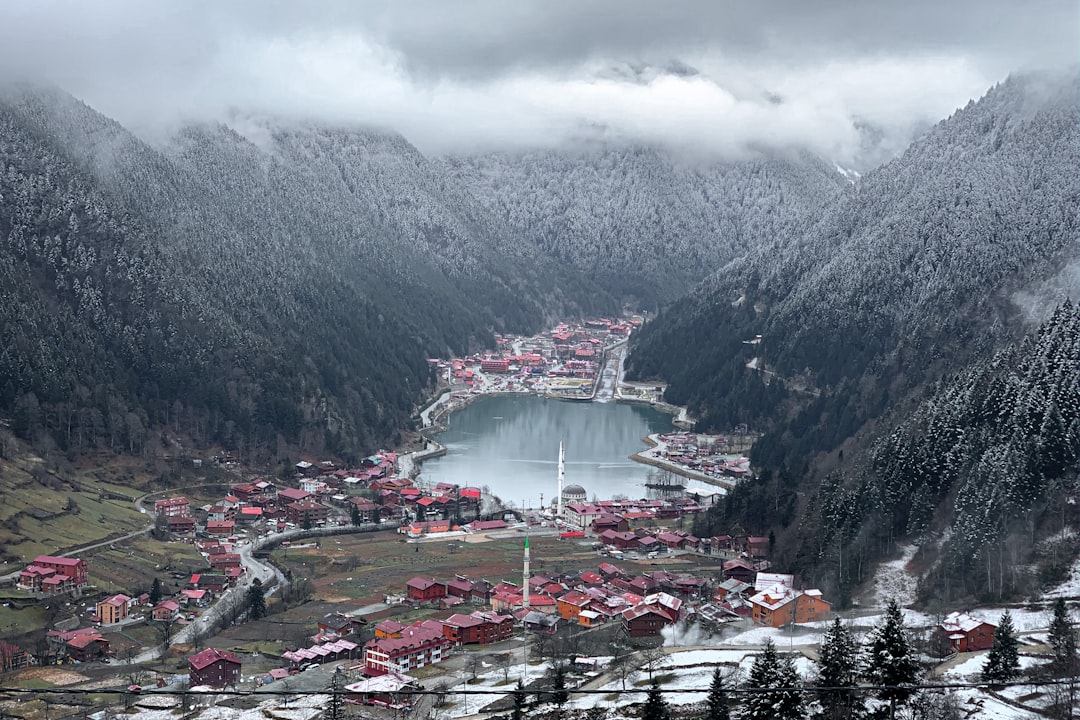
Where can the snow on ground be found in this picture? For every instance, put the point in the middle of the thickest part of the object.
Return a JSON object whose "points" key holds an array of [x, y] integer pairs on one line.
{"points": [[976, 703], [973, 666], [1023, 620], [1069, 588], [892, 581], [307, 707]]}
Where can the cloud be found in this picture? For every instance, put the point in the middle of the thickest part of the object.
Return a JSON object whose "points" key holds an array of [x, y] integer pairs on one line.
{"points": [[717, 76]]}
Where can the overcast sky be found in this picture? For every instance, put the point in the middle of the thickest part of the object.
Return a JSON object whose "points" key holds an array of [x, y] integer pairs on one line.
{"points": [[457, 76]]}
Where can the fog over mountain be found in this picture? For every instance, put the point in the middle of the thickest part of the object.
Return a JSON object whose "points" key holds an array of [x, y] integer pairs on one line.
{"points": [[852, 82]]}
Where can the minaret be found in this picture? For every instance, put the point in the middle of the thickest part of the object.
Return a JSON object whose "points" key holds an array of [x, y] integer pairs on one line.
{"points": [[562, 474], [525, 577]]}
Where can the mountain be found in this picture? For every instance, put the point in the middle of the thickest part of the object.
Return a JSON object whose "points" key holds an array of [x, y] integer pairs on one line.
{"points": [[914, 271], [644, 224], [833, 338], [258, 296]]}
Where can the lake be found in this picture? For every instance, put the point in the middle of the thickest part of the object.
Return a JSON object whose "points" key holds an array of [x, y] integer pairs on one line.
{"points": [[511, 445]]}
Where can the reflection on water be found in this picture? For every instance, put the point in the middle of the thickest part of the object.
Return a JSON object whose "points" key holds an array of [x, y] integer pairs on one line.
{"points": [[511, 444]]}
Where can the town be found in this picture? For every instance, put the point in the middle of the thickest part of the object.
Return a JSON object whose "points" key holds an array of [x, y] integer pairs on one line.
{"points": [[619, 589]]}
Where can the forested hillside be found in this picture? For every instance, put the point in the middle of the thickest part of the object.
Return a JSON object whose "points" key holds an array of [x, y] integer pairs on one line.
{"points": [[912, 273], [910, 281], [645, 225], [257, 297]]}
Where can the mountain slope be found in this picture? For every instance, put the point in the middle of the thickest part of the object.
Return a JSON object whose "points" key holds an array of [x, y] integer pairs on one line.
{"points": [[910, 274], [645, 225], [273, 297]]}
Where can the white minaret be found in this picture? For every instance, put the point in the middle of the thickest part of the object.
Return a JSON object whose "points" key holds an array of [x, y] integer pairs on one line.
{"points": [[525, 577], [562, 474]]}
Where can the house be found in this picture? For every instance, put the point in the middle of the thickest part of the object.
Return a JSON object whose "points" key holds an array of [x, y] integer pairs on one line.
{"points": [[485, 525], [619, 540], [84, 644], [113, 609], [72, 570], [609, 522], [539, 622], [740, 569], [460, 587], [389, 629], [192, 598], [643, 621], [417, 646], [306, 513], [391, 690], [610, 572], [213, 582], [337, 623], [291, 495], [221, 513], [570, 605], [166, 610], [580, 515], [213, 668], [779, 605], [424, 590], [181, 524], [962, 633], [249, 514], [12, 657], [732, 587], [366, 511], [224, 561], [220, 527], [88, 647], [172, 507], [671, 540]]}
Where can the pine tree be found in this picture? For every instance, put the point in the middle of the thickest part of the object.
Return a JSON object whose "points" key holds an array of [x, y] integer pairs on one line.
{"points": [[716, 707], [777, 682], [354, 514], [256, 601], [155, 591], [1062, 640], [559, 694], [520, 698], [655, 706], [838, 668], [1002, 662], [889, 660], [335, 708]]}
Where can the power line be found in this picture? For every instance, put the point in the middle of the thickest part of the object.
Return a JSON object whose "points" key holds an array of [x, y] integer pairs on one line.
{"points": [[811, 689]]}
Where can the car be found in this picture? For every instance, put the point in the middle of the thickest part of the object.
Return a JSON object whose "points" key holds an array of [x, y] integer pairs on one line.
{"points": [[106, 660]]}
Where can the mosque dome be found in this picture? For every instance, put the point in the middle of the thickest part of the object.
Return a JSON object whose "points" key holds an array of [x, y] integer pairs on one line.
{"points": [[573, 493]]}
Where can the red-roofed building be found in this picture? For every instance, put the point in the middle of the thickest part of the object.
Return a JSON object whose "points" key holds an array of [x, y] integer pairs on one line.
{"points": [[389, 629], [166, 610], [963, 633], [181, 524], [172, 507], [424, 590], [571, 604], [291, 495], [113, 609], [643, 621], [417, 646], [214, 668], [307, 512], [73, 569], [220, 527]]}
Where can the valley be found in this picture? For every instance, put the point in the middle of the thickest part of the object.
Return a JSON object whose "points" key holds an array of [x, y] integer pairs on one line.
{"points": [[302, 415]]}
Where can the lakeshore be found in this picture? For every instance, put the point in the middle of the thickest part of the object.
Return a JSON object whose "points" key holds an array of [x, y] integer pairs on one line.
{"points": [[583, 363]]}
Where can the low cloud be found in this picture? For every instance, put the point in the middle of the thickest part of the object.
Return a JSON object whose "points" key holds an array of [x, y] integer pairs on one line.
{"points": [[716, 77]]}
